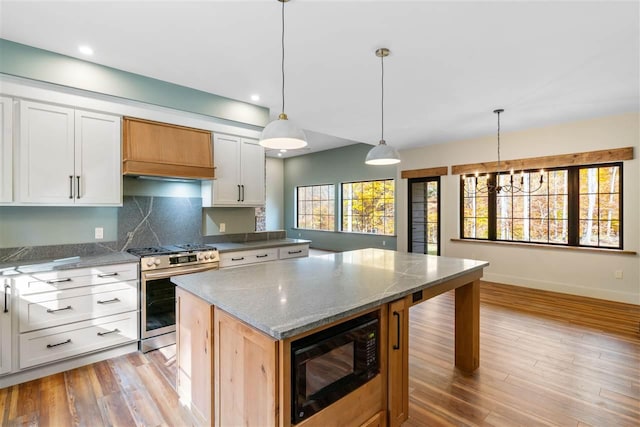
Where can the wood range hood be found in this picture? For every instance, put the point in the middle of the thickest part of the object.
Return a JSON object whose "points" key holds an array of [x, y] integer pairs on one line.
{"points": [[163, 150]]}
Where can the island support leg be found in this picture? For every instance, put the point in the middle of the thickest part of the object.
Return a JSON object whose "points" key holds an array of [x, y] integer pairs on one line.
{"points": [[467, 351]]}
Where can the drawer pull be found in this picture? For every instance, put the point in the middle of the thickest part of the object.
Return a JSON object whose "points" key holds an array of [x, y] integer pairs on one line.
{"points": [[52, 281], [115, 273], [6, 295], [59, 309], [109, 301], [101, 334], [60, 343], [237, 259], [262, 256], [295, 252]]}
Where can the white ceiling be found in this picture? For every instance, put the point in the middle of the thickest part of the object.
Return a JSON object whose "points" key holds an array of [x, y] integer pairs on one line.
{"points": [[451, 64]]}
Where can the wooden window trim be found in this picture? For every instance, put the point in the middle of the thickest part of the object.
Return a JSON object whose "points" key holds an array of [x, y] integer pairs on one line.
{"points": [[612, 251], [424, 173], [547, 162]]}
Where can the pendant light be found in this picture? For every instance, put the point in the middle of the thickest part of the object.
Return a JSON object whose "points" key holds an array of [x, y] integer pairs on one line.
{"points": [[382, 154], [281, 134]]}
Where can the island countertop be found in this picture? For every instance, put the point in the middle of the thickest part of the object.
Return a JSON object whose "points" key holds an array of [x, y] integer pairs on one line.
{"points": [[288, 297]]}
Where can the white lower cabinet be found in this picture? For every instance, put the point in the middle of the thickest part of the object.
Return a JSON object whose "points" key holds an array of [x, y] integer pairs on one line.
{"points": [[68, 313], [6, 313], [294, 251], [229, 259], [61, 342]]}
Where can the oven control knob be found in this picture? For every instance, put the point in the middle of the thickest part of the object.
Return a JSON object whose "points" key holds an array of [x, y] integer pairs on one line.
{"points": [[207, 256], [211, 257], [157, 262], [200, 256], [150, 262]]}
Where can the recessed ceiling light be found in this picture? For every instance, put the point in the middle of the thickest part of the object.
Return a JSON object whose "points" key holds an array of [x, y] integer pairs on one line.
{"points": [[255, 97], [283, 150], [279, 154], [85, 50]]}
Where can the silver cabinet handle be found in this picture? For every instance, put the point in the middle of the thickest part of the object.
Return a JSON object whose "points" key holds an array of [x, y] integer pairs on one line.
{"points": [[115, 273], [6, 292], [294, 252], [52, 281], [109, 301], [237, 259], [101, 334], [78, 189], [58, 309], [71, 186], [60, 343]]}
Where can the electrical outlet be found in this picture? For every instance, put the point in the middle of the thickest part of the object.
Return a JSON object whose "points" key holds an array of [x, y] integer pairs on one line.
{"points": [[384, 243], [99, 233], [618, 274], [223, 227]]}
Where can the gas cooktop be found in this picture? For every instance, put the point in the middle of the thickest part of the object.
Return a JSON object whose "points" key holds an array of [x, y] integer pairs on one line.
{"points": [[170, 249]]}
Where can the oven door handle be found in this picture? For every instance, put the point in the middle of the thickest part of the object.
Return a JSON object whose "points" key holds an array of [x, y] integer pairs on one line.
{"points": [[176, 271]]}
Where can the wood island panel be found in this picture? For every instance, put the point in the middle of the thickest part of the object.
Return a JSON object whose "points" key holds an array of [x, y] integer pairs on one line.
{"points": [[245, 365]]}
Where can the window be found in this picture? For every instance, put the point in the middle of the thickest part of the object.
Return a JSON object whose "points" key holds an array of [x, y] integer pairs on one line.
{"points": [[368, 207], [316, 207], [575, 206]]}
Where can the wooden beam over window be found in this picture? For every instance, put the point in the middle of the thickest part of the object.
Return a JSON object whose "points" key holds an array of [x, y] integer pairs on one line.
{"points": [[546, 162], [424, 173]]}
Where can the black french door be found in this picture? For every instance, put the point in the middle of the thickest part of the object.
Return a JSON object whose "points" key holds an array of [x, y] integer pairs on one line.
{"points": [[424, 215]]}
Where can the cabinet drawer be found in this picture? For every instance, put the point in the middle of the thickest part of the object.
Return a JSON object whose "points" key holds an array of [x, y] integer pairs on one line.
{"points": [[229, 259], [48, 345], [294, 251], [47, 309], [66, 279]]}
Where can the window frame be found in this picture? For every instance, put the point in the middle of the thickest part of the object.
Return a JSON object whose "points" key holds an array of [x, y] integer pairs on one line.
{"points": [[342, 199], [573, 216], [332, 209]]}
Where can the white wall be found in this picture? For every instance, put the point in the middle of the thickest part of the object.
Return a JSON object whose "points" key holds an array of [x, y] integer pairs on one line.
{"points": [[564, 270], [274, 209]]}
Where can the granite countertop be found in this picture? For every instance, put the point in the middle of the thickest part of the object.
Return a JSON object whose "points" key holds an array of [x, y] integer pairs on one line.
{"points": [[288, 297], [29, 267], [258, 244]]}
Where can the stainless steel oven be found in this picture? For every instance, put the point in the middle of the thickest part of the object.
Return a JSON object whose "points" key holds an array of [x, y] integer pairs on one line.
{"points": [[157, 292]]}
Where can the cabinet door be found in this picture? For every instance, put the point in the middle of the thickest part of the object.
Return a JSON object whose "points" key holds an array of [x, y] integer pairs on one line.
{"points": [[5, 326], [226, 186], [252, 168], [398, 348], [98, 179], [46, 151], [6, 150], [194, 355]]}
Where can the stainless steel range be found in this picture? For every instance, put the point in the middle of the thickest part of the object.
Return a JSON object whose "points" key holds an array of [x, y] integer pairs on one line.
{"points": [[157, 292]]}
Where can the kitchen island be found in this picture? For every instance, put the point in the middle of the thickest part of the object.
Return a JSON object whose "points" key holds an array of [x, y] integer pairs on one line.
{"points": [[236, 326]]}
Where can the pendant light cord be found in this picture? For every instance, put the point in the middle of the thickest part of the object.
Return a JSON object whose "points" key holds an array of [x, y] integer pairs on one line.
{"points": [[282, 58], [498, 171], [382, 99]]}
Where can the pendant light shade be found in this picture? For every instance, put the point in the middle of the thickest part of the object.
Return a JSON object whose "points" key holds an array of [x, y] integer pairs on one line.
{"points": [[382, 154], [281, 134]]}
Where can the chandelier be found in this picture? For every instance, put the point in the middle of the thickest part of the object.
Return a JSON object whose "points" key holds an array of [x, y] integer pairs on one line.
{"points": [[504, 183]]}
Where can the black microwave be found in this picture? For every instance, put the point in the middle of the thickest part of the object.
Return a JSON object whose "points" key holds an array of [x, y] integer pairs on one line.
{"points": [[330, 364]]}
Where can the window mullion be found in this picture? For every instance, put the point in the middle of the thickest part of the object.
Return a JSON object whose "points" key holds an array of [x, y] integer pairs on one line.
{"points": [[492, 208], [574, 206]]}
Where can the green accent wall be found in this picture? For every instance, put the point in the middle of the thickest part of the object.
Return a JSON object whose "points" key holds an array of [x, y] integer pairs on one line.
{"points": [[335, 166], [37, 64]]}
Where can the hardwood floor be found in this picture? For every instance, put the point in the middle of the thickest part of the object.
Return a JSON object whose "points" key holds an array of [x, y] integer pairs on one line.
{"points": [[546, 360]]}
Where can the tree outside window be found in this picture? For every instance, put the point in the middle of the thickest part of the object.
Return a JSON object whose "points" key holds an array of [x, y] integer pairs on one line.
{"points": [[316, 207], [369, 207]]}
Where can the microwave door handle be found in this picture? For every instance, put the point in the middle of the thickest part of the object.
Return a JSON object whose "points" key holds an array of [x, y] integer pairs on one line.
{"points": [[396, 346]]}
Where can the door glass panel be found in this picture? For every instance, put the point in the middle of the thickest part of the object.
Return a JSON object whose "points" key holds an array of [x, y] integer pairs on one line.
{"points": [[424, 215]]}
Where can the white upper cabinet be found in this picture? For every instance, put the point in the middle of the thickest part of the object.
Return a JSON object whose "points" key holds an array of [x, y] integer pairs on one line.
{"points": [[239, 164], [6, 150], [68, 157]]}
